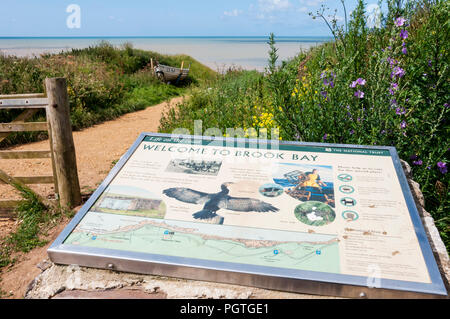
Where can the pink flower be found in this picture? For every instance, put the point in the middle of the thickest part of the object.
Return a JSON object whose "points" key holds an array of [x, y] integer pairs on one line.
{"points": [[359, 94], [361, 81], [399, 22]]}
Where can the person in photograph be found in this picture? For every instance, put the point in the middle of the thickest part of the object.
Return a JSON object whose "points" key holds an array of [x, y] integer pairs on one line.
{"points": [[313, 180]]}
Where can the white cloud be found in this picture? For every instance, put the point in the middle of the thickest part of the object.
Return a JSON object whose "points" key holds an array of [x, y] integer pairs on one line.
{"points": [[273, 5], [311, 3], [303, 9], [232, 13]]}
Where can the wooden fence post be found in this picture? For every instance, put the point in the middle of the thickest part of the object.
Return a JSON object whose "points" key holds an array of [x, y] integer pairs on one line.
{"points": [[58, 117]]}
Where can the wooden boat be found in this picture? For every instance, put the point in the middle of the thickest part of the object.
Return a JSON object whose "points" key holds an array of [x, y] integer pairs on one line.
{"points": [[170, 74]]}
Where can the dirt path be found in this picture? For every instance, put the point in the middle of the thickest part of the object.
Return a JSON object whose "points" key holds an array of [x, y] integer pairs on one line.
{"points": [[97, 149]]}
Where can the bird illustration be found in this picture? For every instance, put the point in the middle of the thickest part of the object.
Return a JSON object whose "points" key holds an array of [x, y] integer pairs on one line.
{"points": [[216, 201]]}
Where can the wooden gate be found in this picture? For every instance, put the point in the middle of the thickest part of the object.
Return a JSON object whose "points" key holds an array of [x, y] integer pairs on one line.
{"points": [[61, 147]]}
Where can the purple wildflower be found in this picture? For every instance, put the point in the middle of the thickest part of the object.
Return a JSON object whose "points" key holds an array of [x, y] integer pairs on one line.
{"points": [[393, 88], [383, 132], [324, 94], [428, 167], [328, 82], [418, 162], [398, 72], [414, 157], [442, 167], [429, 63], [403, 124], [359, 81], [399, 22], [392, 62], [352, 132], [359, 94], [446, 105], [404, 34], [394, 102], [325, 137], [400, 111], [404, 50]]}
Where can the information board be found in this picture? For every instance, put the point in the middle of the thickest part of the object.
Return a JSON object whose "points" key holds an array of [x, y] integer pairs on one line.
{"points": [[312, 218]]}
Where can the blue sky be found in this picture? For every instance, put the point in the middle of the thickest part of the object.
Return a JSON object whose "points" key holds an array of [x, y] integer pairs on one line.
{"points": [[167, 17]]}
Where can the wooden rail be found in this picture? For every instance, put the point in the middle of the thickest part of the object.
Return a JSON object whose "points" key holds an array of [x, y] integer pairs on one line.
{"points": [[33, 180], [22, 96], [23, 127], [62, 149], [32, 103], [24, 154]]}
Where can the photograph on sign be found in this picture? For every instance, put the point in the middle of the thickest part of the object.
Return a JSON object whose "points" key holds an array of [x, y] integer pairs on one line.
{"points": [[299, 211]]}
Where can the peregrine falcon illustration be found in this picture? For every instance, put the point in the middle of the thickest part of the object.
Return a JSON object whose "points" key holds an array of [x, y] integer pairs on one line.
{"points": [[215, 201]]}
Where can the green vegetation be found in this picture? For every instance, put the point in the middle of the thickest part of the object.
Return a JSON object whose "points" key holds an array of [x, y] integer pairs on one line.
{"points": [[371, 86], [34, 219], [104, 82]]}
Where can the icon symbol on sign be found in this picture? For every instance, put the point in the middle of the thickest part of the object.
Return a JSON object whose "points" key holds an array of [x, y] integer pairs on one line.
{"points": [[348, 201], [347, 189], [350, 215], [318, 252], [345, 177], [276, 252]]}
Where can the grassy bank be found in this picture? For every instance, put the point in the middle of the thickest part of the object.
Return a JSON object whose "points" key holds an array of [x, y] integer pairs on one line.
{"points": [[371, 86], [104, 82]]}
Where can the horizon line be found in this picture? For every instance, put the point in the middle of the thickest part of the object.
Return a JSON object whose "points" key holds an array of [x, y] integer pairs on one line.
{"points": [[164, 36]]}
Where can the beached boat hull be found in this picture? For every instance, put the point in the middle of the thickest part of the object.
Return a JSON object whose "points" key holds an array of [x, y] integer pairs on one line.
{"points": [[170, 74]]}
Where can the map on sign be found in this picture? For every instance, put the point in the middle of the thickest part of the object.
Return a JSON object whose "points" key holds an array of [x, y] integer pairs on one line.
{"points": [[309, 212]]}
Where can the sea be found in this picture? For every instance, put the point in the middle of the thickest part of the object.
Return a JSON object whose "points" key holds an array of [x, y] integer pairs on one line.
{"points": [[218, 53]]}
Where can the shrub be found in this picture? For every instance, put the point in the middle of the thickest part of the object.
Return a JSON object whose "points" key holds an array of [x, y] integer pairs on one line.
{"points": [[104, 82]]}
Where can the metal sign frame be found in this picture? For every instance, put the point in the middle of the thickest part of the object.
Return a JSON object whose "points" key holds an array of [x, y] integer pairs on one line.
{"points": [[299, 281]]}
